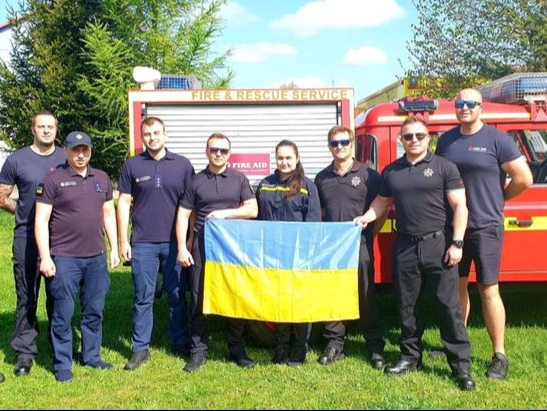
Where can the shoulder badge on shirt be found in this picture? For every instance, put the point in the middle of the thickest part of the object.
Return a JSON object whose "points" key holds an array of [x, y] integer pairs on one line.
{"points": [[143, 179], [40, 190], [355, 181], [68, 184], [428, 172]]}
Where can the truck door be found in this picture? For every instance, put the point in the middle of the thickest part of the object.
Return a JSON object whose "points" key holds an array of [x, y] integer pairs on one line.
{"points": [[524, 257]]}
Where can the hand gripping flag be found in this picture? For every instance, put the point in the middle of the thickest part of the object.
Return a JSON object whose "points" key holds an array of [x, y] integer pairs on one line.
{"points": [[280, 271]]}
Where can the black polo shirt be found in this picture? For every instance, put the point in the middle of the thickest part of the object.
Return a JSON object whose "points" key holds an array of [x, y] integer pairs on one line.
{"points": [[419, 192], [157, 188], [77, 220], [272, 205], [26, 169], [479, 157], [209, 192], [345, 197]]}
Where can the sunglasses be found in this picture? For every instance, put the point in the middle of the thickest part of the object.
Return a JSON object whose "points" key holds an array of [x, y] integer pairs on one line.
{"points": [[343, 143], [410, 136], [471, 104], [215, 150]]}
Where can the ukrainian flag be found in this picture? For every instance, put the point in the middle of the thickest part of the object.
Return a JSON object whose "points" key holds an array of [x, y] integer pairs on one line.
{"points": [[280, 271]]}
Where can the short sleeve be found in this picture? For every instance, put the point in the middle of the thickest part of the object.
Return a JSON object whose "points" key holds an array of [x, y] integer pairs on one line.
{"points": [[246, 190], [125, 183], [452, 178], [46, 191], [8, 175]]}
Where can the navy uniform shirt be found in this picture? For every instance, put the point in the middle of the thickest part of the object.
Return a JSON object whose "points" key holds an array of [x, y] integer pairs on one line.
{"points": [[479, 157], [209, 192], [157, 188], [271, 193], [345, 197], [76, 223], [26, 170], [419, 192]]}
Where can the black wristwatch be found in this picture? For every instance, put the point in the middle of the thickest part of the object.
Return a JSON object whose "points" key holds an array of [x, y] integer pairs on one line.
{"points": [[457, 243]]}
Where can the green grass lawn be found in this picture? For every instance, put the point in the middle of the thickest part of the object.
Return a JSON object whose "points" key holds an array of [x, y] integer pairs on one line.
{"points": [[348, 384]]}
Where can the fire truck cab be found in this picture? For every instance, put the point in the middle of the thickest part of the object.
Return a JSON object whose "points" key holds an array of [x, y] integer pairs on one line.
{"points": [[525, 118]]}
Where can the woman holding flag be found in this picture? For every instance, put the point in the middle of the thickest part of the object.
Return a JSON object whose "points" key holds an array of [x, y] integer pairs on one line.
{"points": [[288, 195]]}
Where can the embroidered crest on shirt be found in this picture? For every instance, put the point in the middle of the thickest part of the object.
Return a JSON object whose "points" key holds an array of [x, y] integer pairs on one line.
{"points": [[355, 181], [68, 184], [428, 172]]}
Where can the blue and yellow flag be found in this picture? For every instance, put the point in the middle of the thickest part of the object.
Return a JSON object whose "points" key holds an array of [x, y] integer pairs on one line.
{"points": [[281, 272]]}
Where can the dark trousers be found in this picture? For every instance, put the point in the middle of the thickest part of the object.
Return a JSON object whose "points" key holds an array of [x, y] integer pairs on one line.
{"points": [[283, 335], [26, 271], [92, 275], [145, 262], [198, 322], [419, 265], [335, 331]]}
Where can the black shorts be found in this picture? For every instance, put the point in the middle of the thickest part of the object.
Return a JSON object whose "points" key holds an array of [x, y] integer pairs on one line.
{"points": [[483, 246]]}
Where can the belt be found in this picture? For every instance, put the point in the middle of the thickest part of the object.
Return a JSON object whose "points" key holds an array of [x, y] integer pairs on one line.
{"points": [[421, 237]]}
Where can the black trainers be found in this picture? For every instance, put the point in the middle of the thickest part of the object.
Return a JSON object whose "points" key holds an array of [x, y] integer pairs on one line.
{"points": [[297, 357], [2, 378], [138, 359], [499, 367], [331, 355], [281, 355], [196, 361], [100, 365], [242, 361]]}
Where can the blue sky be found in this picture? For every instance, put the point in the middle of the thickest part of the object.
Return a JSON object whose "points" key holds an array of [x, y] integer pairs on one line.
{"points": [[314, 43]]}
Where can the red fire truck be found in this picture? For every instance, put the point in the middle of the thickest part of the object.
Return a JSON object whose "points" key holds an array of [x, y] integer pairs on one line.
{"points": [[525, 119]]}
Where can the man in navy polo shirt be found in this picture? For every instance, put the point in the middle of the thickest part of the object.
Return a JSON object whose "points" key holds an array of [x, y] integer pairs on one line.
{"points": [[156, 181], [427, 250], [485, 156], [26, 169], [346, 189], [73, 204], [216, 192]]}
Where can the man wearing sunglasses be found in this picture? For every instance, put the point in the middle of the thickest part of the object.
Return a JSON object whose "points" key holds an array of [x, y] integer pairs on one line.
{"points": [[346, 190], [154, 183], [484, 156], [216, 192], [424, 188]]}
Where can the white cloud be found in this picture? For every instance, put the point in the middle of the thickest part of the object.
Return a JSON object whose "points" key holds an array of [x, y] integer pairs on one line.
{"points": [[259, 52], [365, 56], [237, 14], [301, 82], [321, 15]]}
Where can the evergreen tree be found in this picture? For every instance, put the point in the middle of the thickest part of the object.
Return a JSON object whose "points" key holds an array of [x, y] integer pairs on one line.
{"points": [[75, 58]]}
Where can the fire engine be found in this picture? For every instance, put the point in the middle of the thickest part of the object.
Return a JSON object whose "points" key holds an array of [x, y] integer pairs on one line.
{"points": [[257, 119], [516, 105]]}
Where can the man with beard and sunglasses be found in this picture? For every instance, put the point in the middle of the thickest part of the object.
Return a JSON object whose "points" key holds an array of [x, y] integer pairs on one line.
{"points": [[425, 188], [346, 190], [484, 157], [26, 168], [218, 191]]}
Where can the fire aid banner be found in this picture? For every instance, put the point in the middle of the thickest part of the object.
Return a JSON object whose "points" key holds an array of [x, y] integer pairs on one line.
{"points": [[281, 271], [251, 164]]}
